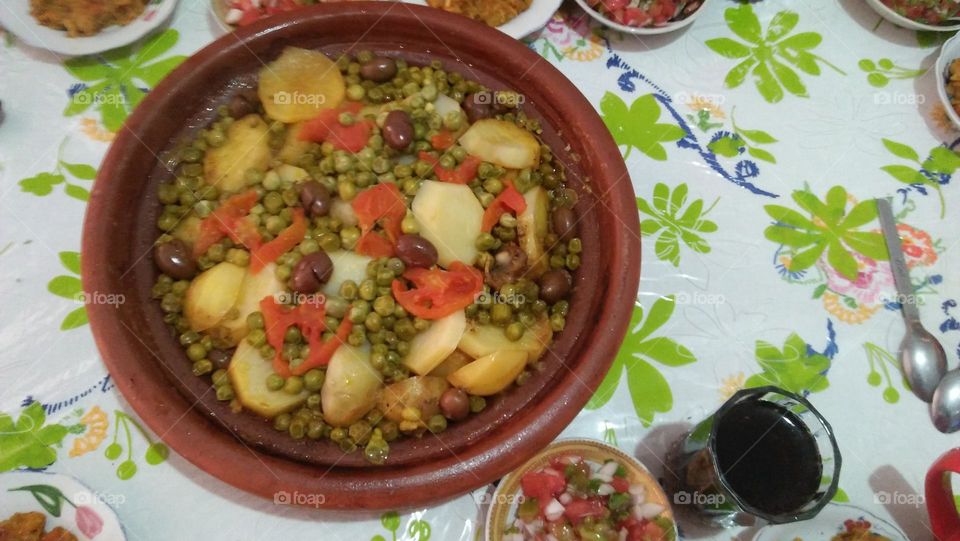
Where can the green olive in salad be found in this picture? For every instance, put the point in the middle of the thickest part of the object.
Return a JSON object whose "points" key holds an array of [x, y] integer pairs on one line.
{"points": [[362, 250]]}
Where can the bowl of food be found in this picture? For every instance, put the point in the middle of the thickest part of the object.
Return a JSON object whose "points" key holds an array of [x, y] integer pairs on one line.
{"points": [[79, 28], [932, 15], [644, 17], [379, 271], [580, 489], [947, 72]]}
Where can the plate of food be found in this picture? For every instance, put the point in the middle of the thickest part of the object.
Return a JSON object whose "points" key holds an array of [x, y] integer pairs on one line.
{"points": [[947, 72], [40, 506], [516, 18], [644, 17], [368, 269], [83, 27], [932, 15], [580, 489], [836, 522]]}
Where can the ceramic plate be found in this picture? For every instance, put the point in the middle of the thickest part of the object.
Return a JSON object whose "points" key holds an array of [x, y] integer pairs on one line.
{"points": [[504, 501], [948, 53], [15, 17], [528, 22], [643, 30], [904, 22], [65, 501], [827, 524]]}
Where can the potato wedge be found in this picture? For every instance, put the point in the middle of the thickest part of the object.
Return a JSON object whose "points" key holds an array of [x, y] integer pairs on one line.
{"points": [[502, 143], [449, 216], [253, 290], [421, 392], [490, 374], [247, 147], [533, 227], [299, 84], [352, 386], [481, 340], [429, 348], [455, 361], [212, 295], [248, 373], [346, 266]]}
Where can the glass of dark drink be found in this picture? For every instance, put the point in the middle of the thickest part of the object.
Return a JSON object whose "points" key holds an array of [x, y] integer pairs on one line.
{"points": [[766, 454]]}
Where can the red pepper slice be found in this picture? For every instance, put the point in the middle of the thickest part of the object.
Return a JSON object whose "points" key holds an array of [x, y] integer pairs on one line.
{"points": [[461, 174], [442, 140], [437, 292], [287, 240], [509, 200], [382, 204], [229, 220], [309, 318], [327, 127]]}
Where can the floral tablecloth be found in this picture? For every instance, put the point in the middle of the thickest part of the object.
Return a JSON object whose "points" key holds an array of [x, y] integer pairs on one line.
{"points": [[755, 140]]}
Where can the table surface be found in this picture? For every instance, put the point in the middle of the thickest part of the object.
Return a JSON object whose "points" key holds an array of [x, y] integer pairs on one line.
{"points": [[793, 111]]}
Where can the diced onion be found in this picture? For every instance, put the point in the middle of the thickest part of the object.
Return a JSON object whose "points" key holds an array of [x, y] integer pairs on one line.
{"points": [[605, 489], [554, 510], [647, 510], [566, 498], [233, 16]]}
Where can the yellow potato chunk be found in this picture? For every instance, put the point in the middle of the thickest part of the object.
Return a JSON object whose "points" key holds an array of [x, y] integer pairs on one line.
{"points": [[482, 340], [490, 374], [502, 143], [248, 373], [449, 216], [255, 288], [212, 295], [420, 392], [299, 84], [532, 226], [352, 386], [429, 348], [247, 147]]}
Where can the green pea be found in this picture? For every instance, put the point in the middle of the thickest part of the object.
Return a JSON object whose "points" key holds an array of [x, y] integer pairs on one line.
{"points": [[557, 322], [384, 278], [167, 222], [486, 199], [477, 404], [196, 351], [329, 242], [201, 367], [275, 382], [410, 89], [356, 337], [355, 92], [486, 170], [273, 202], [437, 424], [573, 261], [297, 429], [508, 220], [429, 92], [349, 236], [225, 393], [238, 257], [293, 385], [409, 225], [453, 120], [485, 241], [514, 331], [346, 119], [338, 434], [421, 324], [337, 307], [384, 305], [271, 181], [448, 162], [348, 290], [575, 246], [459, 153], [219, 377], [313, 380], [373, 322], [358, 312], [368, 290], [281, 423], [267, 351], [501, 313], [315, 429], [360, 432]]}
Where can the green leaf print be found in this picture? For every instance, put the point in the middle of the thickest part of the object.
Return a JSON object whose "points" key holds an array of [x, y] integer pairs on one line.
{"points": [[941, 161], [42, 184], [671, 223], [649, 391], [769, 57], [114, 80], [70, 288], [637, 127], [882, 364], [126, 426], [28, 442], [829, 229], [791, 368], [880, 73]]}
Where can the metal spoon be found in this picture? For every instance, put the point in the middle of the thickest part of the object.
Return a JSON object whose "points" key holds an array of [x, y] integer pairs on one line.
{"points": [[922, 358], [945, 408]]}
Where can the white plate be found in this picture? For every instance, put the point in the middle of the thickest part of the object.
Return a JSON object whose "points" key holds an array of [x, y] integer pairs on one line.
{"points": [[15, 17], [643, 30], [904, 22], [93, 504], [532, 19], [828, 524], [948, 53]]}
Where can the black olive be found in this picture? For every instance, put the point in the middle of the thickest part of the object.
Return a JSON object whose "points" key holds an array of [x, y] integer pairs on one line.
{"points": [[174, 259]]}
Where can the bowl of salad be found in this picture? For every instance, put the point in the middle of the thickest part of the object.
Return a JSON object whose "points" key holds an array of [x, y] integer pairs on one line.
{"points": [[576, 490], [366, 270], [932, 15], [644, 17]]}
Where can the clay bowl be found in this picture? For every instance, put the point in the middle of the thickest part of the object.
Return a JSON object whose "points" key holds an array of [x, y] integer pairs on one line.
{"points": [[153, 373]]}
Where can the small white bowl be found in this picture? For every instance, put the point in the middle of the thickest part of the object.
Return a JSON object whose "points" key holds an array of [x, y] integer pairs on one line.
{"points": [[948, 53], [15, 17], [643, 30], [904, 22]]}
